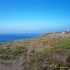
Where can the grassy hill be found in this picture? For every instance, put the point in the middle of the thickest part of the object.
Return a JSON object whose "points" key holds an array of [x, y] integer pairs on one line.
{"points": [[50, 51]]}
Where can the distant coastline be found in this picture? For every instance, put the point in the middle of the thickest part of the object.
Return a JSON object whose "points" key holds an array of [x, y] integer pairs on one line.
{"points": [[16, 37]]}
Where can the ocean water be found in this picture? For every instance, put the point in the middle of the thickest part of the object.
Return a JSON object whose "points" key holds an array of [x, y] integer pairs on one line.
{"points": [[13, 37]]}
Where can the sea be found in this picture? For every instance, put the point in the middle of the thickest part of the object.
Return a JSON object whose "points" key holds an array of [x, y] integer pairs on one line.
{"points": [[14, 37]]}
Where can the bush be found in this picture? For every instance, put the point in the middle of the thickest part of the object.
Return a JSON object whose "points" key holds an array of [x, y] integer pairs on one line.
{"points": [[11, 53]]}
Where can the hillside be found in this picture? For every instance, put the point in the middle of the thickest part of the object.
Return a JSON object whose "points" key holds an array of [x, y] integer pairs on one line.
{"points": [[49, 51]]}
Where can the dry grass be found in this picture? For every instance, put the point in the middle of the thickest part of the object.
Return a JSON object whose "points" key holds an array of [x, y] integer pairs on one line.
{"points": [[44, 52]]}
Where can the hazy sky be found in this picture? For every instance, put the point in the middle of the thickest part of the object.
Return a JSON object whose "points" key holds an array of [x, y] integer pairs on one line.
{"points": [[31, 16]]}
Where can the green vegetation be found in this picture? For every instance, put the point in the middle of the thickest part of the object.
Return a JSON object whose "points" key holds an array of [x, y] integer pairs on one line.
{"points": [[61, 45], [51, 56], [65, 44], [11, 53]]}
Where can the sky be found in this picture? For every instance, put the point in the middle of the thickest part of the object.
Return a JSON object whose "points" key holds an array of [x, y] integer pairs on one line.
{"points": [[34, 16]]}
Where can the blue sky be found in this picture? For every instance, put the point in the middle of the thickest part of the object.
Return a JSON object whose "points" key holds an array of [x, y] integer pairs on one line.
{"points": [[34, 16]]}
